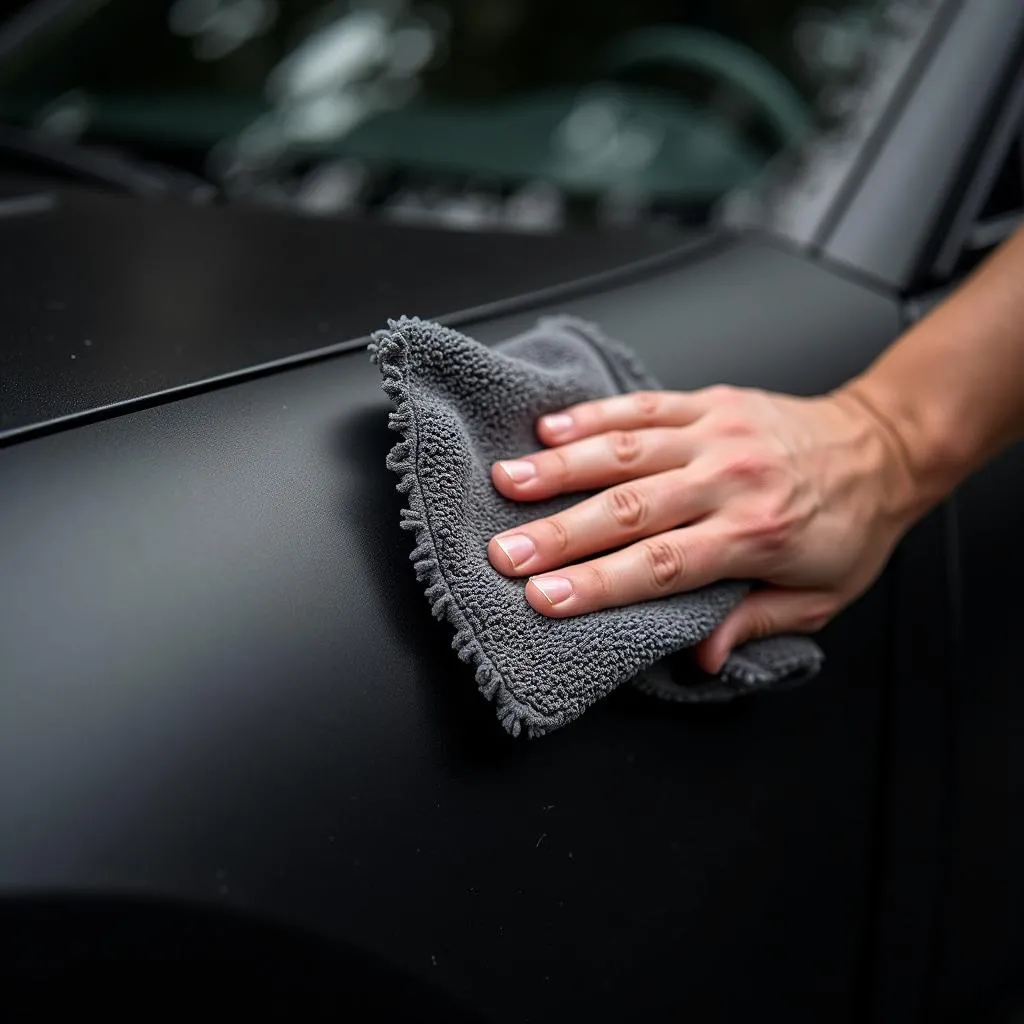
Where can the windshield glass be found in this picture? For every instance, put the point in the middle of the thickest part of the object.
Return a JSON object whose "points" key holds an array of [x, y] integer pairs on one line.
{"points": [[523, 113]]}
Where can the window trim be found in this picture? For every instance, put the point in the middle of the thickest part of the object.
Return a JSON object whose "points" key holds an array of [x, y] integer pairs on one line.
{"points": [[967, 233]]}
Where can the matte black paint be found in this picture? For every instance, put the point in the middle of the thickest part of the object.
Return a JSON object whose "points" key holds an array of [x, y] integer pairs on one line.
{"points": [[128, 953], [912, 828], [106, 300], [221, 683], [218, 681], [980, 944]]}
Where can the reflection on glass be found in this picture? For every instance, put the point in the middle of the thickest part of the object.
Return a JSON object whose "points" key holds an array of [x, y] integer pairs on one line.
{"points": [[520, 114]]}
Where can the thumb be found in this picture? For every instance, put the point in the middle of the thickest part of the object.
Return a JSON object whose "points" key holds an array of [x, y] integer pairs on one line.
{"points": [[764, 613]]}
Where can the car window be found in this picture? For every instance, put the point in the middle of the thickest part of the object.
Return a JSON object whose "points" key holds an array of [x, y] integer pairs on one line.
{"points": [[529, 114]]}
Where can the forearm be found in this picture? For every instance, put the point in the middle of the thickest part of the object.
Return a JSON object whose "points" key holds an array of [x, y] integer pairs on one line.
{"points": [[950, 392]]}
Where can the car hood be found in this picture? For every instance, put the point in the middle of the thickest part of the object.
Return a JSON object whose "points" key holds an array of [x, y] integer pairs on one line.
{"points": [[108, 300]]}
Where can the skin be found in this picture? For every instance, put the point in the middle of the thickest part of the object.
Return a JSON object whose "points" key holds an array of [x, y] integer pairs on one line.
{"points": [[809, 495]]}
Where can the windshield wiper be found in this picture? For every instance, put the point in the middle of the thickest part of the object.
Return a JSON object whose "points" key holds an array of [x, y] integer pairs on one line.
{"points": [[101, 167]]}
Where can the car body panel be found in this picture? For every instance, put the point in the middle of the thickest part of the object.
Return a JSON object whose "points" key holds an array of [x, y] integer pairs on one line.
{"points": [[222, 683], [981, 939], [108, 301]]}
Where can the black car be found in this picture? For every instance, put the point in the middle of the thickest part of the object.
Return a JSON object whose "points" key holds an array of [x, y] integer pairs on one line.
{"points": [[238, 759]]}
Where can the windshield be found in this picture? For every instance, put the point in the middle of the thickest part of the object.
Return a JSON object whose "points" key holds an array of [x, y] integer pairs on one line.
{"points": [[524, 113]]}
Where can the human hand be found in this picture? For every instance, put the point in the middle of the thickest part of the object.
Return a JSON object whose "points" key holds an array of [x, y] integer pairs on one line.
{"points": [[808, 495]]}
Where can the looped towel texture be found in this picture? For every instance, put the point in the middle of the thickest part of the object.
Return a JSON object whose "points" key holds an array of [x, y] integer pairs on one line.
{"points": [[459, 407]]}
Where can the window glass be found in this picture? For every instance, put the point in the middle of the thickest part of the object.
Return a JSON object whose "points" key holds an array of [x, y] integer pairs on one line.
{"points": [[526, 113]]}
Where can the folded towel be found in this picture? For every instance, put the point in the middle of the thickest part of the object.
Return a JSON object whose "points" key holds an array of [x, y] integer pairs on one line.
{"points": [[459, 407]]}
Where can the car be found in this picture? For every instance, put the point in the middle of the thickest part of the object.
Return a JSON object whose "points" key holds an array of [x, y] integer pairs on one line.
{"points": [[238, 759]]}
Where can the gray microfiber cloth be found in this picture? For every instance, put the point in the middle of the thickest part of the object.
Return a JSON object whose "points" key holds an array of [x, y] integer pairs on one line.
{"points": [[460, 406]]}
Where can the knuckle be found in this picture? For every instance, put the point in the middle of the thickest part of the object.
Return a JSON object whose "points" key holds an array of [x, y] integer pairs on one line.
{"points": [[723, 395], [554, 466], [750, 467], [597, 582], [665, 563], [557, 535], [760, 625], [769, 530], [625, 446], [647, 404], [735, 425], [627, 506]]}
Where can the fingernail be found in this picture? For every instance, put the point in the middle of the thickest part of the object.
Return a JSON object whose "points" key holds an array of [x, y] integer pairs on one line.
{"points": [[555, 588], [557, 422], [518, 548], [518, 470]]}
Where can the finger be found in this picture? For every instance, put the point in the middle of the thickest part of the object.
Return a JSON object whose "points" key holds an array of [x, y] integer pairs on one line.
{"points": [[669, 563], [594, 462], [764, 613], [612, 519], [622, 412]]}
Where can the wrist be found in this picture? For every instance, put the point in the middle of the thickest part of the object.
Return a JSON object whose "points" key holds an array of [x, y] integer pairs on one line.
{"points": [[920, 459]]}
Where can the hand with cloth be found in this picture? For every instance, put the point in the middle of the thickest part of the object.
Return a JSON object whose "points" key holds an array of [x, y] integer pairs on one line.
{"points": [[808, 495]]}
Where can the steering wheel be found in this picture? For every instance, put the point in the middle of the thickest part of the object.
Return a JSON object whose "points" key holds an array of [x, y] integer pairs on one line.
{"points": [[723, 60]]}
